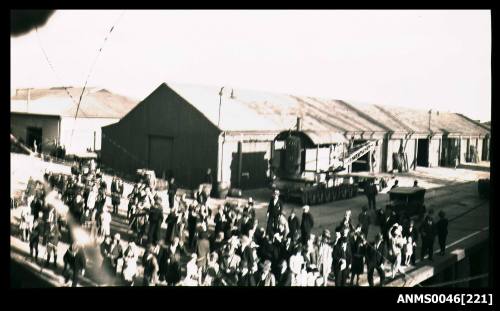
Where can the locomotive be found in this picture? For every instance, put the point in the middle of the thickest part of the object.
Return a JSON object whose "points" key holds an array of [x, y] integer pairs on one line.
{"points": [[312, 166]]}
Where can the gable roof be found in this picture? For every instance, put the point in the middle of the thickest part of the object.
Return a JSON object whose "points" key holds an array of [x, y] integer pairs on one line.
{"points": [[263, 111], [96, 103]]}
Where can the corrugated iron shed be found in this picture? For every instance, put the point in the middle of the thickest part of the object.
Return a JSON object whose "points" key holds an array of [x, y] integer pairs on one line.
{"points": [[96, 103]]}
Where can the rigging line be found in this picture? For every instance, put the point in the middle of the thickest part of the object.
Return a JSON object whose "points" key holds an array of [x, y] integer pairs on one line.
{"points": [[92, 69], [51, 66]]}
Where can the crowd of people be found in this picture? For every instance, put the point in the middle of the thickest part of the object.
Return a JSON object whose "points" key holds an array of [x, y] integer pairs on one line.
{"points": [[191, 242]]}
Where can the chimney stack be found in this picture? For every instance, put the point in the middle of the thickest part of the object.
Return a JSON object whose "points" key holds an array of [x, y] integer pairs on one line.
{"points": [[232, 93], [299, 124]]}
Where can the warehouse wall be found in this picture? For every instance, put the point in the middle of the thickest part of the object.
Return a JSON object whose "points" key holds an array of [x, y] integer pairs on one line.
{"points": [[83, 133], [256, 157], [393, 145], [434, 152], [49, 125], [163, 116]]}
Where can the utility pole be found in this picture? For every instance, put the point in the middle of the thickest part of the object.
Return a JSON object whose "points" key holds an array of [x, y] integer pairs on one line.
{"points": [[430, 115], [220, 104]]}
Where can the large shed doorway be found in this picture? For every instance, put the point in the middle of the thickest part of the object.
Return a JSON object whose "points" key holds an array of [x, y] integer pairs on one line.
{"points": [[34, 134], [249, 169], [423, 152], [160, 155]]}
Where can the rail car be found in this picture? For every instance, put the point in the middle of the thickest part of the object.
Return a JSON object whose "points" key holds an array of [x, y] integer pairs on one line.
{"points": [[312, 166]]}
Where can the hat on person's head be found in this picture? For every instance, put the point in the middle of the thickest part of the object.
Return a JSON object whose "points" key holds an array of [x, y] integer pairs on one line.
{"points": [[305, 207], [441, 214], [250, 200]]}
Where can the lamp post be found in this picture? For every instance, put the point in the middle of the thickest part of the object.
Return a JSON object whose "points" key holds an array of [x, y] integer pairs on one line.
{"points": [[220, 104]]}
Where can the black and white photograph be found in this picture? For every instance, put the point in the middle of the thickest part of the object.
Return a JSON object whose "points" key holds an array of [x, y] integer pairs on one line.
{"points": [[250, 148]]}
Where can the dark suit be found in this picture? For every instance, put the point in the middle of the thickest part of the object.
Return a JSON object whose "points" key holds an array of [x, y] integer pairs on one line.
{"points": [[428, 233], [338, 254], [170, 264], [155, 220], [246, 280], [293, 225], [306, 227], [374, 259], [442, 233], [371, 192], [76, 263], [274, 211], [285, 278]]}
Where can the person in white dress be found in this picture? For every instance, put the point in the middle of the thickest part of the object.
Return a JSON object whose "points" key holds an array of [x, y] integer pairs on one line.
{"points": [[26, 222], [296, 264], [325, 257], [130, 263], [395, 251], [192, 272], [105, 223]]}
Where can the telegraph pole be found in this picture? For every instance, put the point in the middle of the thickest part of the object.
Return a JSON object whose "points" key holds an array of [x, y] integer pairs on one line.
{"points": [[220, 104]]}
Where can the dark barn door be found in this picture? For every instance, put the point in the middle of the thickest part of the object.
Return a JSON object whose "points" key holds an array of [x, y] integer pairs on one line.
{"points": [[160, 155], [254, 168], [34, 134], [423, 152]]}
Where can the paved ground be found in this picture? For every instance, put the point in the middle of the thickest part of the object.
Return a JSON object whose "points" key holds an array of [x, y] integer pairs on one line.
{"points": [[451, 190]]}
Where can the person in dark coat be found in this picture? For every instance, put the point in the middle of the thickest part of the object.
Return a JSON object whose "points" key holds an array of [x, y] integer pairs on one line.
{"points": [[170, 262], [116, 194], [74, 264], [53, 236], [246, 252], [36, 206], [375, 253], [77, 209], [428, 234], [191, 226], [36, 233], [442, 231], [306, 225], [203, 251], [155, 221], [112, 251], [284, 277], [172, 191], [151, 267], [247, 224], [371, 192], [245, 277], [364, 221], [293, 224], [274, 209], [358, 257], [342, 259], [221, 221], [411, 231], [171, 226]]}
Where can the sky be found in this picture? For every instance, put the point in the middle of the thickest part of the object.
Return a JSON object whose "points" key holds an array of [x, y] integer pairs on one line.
{"points": [[438, 60]]}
